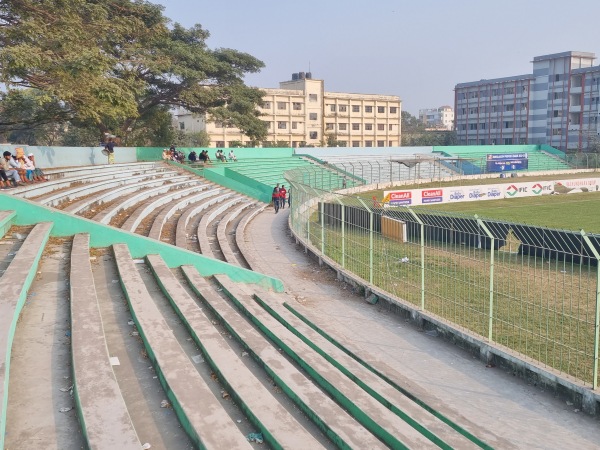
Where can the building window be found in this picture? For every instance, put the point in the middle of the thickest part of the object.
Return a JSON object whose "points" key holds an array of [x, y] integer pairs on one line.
{"points": [[509, 108], [355, 143], [509, 124], [507, 141], [266, 105], [473, 110], [390, 143], [390, 126], [182, 125], [342, 126], [380, 143], [557, 113], [472, 126], [343, 143], [509, 91], [556, 131], [368, 143], [368, 109], [482, 126], [393, 110], [355, 108], [381, 126], [282, 125], [523, 124], [281, 105], [332, 108], [473, 94], [381, 109], [557, 77], [463, 111], [297, 106], [329, 126], [356, 126], [522, 141], [494, 125], [312, 116], [558, 95], [294, 125], [368, 126], [220, 144], [342, 108], [313, 135], [462, 127], [495, 92], [312, 97]]}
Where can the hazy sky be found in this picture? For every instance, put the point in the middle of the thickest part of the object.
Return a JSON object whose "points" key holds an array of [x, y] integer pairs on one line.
{"points": [[418, 50]]}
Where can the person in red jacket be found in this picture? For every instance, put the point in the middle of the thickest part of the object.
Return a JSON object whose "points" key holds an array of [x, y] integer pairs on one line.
{"points": [[275, 198], [282, 196]]}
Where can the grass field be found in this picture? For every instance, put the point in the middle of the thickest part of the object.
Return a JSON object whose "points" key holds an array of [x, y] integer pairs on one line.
{"points": [[569, 211]]}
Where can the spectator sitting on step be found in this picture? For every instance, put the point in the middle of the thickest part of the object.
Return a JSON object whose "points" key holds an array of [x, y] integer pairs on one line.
{"points": [[232, 156], [9, 170], [165, 155], [17, 165], [36, 170], [192, 156]]}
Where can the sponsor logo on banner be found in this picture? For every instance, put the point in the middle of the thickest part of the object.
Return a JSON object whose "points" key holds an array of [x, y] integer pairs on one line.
{"points": [[476, 194], [456, 195], [512, 190], [400, 198], [537, 189], [494, 193], [432, 196]]}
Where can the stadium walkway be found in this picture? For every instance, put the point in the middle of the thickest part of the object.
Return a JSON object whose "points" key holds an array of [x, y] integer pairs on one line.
{"points": [[441, 374]]}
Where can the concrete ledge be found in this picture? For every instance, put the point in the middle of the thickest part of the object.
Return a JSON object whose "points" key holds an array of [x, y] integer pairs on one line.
{"points": [[280, 428], [100, 405], [488, 352], [373, 415], [6, 220], [180, 233], [14, 284], [222, 233], [199, 411], [334, 421], [240, 235], [203, 242]]}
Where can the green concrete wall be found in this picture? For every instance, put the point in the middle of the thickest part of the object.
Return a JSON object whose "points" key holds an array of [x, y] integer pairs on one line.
{"points": [[29, 213], [155, 153]]}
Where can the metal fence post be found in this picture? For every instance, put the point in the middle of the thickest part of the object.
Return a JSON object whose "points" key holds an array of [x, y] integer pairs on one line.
{"points": [[370, 240], [491, 307], [422, 244], [343, 232], [322, 226], [597, 315]]}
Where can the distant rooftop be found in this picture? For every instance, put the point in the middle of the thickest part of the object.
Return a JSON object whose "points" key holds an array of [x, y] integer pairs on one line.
{"points": [[564, 55], [483, 82]]}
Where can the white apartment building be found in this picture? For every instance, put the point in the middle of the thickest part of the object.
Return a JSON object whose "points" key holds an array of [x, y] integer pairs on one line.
{"points": [[556, 105], [300, 113], [441, 118]]}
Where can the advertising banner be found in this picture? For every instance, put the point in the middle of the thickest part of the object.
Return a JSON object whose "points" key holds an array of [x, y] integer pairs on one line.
{"points": [[515, 190], [503, 162], [578, 184]]}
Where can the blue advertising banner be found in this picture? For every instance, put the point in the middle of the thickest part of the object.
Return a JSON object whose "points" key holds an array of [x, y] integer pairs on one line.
{"points": [[502, 162]]}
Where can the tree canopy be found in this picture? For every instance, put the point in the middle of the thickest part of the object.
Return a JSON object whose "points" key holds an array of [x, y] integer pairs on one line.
{"points": [[113, 64]]}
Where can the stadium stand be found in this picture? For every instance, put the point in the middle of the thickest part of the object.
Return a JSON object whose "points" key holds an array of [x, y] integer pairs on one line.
{"points": [[170, 347]]}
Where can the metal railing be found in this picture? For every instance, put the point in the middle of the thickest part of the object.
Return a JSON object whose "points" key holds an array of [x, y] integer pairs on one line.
{"points": [[533, 290], [433, 168]]}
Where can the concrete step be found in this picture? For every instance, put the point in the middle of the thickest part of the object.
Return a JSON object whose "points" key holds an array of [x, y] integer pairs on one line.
{"points": [[210, 426]]}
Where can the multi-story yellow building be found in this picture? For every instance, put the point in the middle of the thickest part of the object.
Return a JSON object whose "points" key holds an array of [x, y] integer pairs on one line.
{"points": [[301, 113]]}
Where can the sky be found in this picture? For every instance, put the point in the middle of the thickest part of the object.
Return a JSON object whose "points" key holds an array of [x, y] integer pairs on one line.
{"points": [[417, 50]]}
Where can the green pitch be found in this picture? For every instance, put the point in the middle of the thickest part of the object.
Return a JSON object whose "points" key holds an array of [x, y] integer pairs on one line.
{"points": [[567, 211]]}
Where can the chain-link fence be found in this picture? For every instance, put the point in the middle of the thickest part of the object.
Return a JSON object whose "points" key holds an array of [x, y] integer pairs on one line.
{"points": [[533, 290], [428, 167]]}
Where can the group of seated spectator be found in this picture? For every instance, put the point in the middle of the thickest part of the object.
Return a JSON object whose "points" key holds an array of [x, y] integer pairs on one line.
{"points": [[172, 154], [220, 155], [18, 170]]}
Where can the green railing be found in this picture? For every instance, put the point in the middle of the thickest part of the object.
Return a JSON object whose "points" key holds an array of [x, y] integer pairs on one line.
{"points": [[532, 290]]}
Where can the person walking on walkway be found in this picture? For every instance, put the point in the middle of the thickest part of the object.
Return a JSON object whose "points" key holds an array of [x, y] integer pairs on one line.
{"points": [[282, 196], [275, 198]]}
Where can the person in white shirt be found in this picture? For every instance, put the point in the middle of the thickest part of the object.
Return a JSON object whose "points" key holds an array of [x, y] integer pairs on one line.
{"points": [[232, 156]]}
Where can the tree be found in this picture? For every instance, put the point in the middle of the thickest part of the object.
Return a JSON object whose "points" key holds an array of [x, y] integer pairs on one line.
{"points": [[111, 63]]}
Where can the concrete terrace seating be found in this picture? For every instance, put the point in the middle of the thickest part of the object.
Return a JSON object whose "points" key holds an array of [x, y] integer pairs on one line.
{"points": [[180, 337], [375, 168], [538, 160]]}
